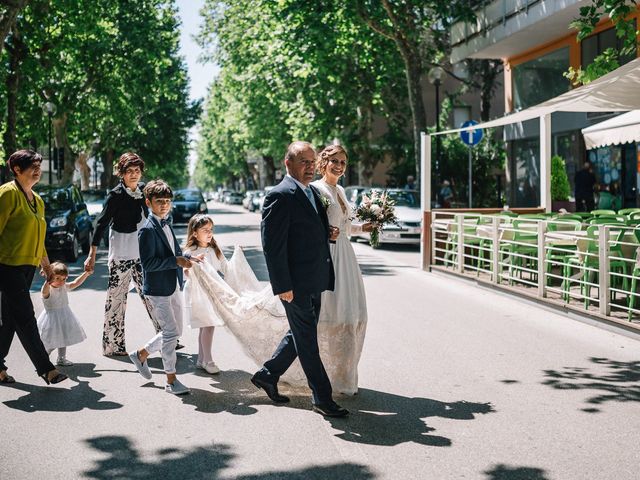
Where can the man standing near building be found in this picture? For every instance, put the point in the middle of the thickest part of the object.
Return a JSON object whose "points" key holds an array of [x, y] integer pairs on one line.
{"points": [[585, 181]]}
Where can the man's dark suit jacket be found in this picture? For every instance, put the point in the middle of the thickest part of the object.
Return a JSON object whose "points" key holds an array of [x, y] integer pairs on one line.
{"points": [[159, 266], [295, 240]]}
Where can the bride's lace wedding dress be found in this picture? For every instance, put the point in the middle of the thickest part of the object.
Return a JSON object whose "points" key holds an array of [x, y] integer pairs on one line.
{"points": [[257, 318], [343, 315]]}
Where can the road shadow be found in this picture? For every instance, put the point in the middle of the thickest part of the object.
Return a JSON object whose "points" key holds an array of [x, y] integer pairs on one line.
{"points": [[232, 392], [58, 399], [386, 419], [370, 265], [505, 472], [122, 460], [619, 383]]}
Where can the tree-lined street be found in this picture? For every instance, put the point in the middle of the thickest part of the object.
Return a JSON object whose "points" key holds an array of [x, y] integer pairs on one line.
{"points": [[456, 382]]}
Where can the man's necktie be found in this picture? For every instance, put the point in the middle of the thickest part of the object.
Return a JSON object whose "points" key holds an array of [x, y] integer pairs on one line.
{"points": [[310, 197]]}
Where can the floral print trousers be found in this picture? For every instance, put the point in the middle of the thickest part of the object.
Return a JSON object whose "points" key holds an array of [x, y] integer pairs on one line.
{"points": [[121, 272]]}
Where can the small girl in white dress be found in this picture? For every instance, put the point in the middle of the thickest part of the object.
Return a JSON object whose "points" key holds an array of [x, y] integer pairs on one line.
{"points": [[200, 241], [59, 328]]}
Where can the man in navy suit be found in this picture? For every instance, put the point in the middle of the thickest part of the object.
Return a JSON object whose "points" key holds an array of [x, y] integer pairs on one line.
{"points": [[162, 263], [295, 240]]}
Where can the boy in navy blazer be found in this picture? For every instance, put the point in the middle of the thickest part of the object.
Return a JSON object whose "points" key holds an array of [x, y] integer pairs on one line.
{"points": [[162, 263]]}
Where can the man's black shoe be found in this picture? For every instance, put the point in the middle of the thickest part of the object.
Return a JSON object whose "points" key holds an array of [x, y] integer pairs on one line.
{"points": [[270, 388], [179, 346], [330, 410]]}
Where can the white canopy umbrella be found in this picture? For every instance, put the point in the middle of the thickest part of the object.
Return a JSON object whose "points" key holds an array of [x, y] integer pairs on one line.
{"points": [[624, 128]]}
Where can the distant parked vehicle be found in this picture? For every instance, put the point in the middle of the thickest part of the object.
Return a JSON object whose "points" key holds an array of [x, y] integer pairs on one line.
{"points": [[234, 198], [261, 201], [69, 226], [186, 203], [256, 201], [248, 199], [407, 209], [352, 192]]}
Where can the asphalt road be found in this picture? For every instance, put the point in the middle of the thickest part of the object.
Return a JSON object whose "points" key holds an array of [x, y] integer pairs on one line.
{"points": [[457, 382]]}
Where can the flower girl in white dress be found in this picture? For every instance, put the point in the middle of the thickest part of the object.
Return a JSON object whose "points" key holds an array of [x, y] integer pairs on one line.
{"points": [[59, 328], [343, 314], [197, 311]]}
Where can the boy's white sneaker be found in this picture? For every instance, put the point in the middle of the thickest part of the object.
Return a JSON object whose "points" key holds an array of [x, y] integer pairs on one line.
{"points": [[176, 388]]}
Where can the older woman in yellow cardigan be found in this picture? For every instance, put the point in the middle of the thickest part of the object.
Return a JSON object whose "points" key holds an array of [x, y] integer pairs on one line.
{"points": [[22, 232]]}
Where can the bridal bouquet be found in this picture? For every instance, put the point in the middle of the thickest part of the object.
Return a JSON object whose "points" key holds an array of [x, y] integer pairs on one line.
{"points": [[376, 208]]}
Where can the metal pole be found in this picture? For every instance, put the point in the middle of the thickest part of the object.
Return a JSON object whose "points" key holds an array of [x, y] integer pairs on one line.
{"points": [[50, 164], [437, 175], [470, 182]]}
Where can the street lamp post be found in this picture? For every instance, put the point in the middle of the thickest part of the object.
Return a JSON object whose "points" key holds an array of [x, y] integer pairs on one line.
{"points": [[434, 76], [50, 109]]}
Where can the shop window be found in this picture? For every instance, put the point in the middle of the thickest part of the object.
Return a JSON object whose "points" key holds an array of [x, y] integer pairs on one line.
{"points": [[540, 79]]}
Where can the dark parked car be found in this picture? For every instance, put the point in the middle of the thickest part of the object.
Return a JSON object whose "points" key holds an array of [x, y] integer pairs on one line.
{"points": [[69, 226], [186, 203]]}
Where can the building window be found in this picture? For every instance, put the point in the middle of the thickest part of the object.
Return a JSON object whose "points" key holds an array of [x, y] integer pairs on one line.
{"points": [[525, 173], [594, 45], [540, 79]]}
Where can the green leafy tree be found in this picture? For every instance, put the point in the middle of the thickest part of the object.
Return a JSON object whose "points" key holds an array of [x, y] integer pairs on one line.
{"points": [[590, 15]]}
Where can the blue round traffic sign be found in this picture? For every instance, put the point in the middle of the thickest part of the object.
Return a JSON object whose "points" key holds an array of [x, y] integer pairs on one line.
{"points": [[471, 137]]}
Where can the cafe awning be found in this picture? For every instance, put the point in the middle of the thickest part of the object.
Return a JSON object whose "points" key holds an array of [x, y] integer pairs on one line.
{"points": [[622, 129]]}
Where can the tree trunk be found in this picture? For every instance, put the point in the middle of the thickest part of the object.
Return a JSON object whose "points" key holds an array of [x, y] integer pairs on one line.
{"points": [[17, 53], [62, 141], [85, 171], [8, 18], [413, 71], [107, 180]]}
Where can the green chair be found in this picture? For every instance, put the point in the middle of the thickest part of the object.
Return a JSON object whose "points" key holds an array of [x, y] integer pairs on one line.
{"points": [[599, 212], [607, 220], [569, 216], [533, 216], [628, 211], [635, 274], [583, 215], [559, 253], [589, 264], [522, 250], [470, 228], [508, 213]]}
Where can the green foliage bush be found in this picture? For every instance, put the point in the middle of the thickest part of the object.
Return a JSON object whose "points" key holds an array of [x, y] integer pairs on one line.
{"points": [[560, 188]]}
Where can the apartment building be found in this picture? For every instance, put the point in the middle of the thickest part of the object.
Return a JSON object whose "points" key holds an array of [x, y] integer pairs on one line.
{"points": [[533, 39]]}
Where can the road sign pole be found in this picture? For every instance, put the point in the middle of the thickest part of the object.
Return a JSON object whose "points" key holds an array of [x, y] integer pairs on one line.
{"points": [[470, 181]]}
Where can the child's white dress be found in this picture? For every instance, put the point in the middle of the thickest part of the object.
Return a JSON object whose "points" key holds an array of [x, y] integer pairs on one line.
{"points": [[58, 326]]}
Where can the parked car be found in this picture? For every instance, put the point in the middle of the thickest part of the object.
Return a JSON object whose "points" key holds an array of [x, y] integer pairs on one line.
{"points": [[186, 203], [261, 199], [69, 226], [352, 192], [95, 199], [233, 198], [409, 214], [248, 198], [256, 201]]}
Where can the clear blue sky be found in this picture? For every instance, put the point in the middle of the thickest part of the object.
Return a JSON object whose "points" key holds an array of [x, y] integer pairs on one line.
{"points": [[200, 76]]}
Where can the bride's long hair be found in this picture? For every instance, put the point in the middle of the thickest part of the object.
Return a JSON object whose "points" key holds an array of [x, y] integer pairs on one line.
{"points": [[195, 223]]}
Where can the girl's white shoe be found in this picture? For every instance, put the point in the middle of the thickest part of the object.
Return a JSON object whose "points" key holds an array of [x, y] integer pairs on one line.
{"points": [[63, 362], [210, 367]]}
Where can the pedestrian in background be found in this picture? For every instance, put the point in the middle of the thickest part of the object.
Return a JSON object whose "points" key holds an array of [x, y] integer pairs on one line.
{"points": [[22, 233], [585, 182]]}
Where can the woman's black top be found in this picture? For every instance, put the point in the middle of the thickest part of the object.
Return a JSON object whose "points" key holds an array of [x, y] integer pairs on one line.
{"points": [[121, 212]]}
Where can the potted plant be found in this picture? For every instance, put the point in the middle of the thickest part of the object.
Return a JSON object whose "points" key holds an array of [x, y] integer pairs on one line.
{"points": [[560, 188]]}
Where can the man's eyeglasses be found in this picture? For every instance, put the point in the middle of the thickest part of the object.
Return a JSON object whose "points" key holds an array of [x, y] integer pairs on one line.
{"points": [[335, 161]]}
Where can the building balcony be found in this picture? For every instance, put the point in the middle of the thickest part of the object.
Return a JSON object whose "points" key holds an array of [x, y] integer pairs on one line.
{"points": [[507, 28]]}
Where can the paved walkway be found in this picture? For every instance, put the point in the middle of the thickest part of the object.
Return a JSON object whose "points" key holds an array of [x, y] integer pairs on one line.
{"points": [[457, 382]]}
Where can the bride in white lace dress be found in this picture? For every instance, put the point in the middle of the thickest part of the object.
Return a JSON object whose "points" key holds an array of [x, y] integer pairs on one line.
{"points": [[343, 314]]}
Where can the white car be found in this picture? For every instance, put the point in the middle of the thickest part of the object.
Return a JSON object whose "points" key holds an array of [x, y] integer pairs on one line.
{"points": [[409, 214]]}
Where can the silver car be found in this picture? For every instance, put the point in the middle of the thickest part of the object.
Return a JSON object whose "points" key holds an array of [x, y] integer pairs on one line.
{"points": [[409, 214]]}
